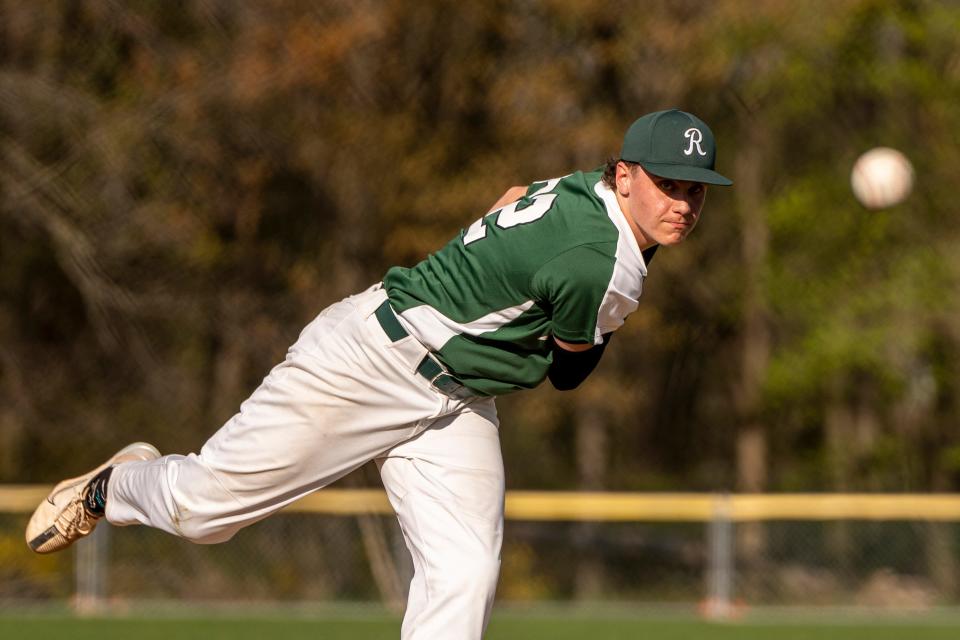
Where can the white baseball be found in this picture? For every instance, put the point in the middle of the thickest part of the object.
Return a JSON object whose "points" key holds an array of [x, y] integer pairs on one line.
{"points": [[881, 177]]}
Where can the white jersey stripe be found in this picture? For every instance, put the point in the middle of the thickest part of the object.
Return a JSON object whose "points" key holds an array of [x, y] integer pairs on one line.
{"points": [[433, 329], [622, 296]]}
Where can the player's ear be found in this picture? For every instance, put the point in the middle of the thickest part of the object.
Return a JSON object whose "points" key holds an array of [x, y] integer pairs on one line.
{"points": [[622, 178]]}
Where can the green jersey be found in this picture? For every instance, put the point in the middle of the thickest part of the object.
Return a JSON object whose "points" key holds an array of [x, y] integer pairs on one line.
{"points": [[560, 261]]}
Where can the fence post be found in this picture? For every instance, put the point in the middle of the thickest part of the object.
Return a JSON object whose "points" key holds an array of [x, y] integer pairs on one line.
{"points": [[91, 571], [720, 558]]}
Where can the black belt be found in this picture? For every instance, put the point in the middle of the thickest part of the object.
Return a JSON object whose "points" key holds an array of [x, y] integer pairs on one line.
{"points": [[428, 367]]}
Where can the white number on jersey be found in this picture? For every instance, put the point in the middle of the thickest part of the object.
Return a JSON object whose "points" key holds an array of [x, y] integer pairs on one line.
{"points": [[509, 216]]}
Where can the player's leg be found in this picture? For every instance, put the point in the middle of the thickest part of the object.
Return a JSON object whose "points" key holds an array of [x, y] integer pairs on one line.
{"points": [[342, 397], [447, 487]]}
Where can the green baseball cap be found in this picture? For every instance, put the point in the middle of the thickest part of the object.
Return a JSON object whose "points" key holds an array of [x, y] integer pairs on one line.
{"points": [[673, 144]]}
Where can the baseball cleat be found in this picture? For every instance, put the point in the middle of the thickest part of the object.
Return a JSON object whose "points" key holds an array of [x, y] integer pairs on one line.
{"points": [[61, 519]]}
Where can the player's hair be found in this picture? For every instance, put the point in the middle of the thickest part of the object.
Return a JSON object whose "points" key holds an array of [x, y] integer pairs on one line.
{"points": [[610, 170]]}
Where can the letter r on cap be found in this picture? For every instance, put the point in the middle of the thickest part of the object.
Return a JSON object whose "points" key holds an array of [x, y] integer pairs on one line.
{"points": [[695, 138]]}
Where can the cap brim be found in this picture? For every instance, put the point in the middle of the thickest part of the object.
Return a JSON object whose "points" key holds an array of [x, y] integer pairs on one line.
{"points": [[685, 172]]}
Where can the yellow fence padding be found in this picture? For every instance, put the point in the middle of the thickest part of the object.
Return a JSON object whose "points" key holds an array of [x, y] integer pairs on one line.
{"points": [[622, 507]]}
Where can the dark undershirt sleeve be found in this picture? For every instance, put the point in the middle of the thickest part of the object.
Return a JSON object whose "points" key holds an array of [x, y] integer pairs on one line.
{"points": [[570, 368]]}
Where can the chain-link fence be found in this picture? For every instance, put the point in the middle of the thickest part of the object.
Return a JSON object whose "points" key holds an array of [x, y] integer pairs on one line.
{"points": [[720, 567]]}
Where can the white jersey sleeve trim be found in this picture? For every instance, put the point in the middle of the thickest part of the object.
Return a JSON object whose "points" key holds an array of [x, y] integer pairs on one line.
{"points": [[434, 330], [622, 296]]}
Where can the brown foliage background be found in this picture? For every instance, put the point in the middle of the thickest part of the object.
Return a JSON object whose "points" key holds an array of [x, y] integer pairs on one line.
{"points": [[181, 190]]}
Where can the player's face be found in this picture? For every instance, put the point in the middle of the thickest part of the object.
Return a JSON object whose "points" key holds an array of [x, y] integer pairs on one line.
{"points": [[660, 210]]}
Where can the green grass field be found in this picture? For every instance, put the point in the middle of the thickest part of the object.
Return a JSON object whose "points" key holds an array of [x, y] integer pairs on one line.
{"points": [[503, 627]]}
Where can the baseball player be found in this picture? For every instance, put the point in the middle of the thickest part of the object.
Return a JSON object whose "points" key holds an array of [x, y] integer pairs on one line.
{"points": [[406, 372]]}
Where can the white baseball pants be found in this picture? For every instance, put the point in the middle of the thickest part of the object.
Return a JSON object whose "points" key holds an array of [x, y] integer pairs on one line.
{"points": [[346, 395]]}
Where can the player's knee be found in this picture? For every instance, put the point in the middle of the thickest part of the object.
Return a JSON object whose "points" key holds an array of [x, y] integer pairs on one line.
{"points": [[476, 574]]}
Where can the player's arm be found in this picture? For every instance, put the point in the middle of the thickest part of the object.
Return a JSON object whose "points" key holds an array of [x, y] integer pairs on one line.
{"points": [[573, 362], [573, 285], [510, 195]]}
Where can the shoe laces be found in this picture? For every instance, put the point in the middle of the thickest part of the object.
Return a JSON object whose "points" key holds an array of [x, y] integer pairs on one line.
{"points": [[79, 520]]}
